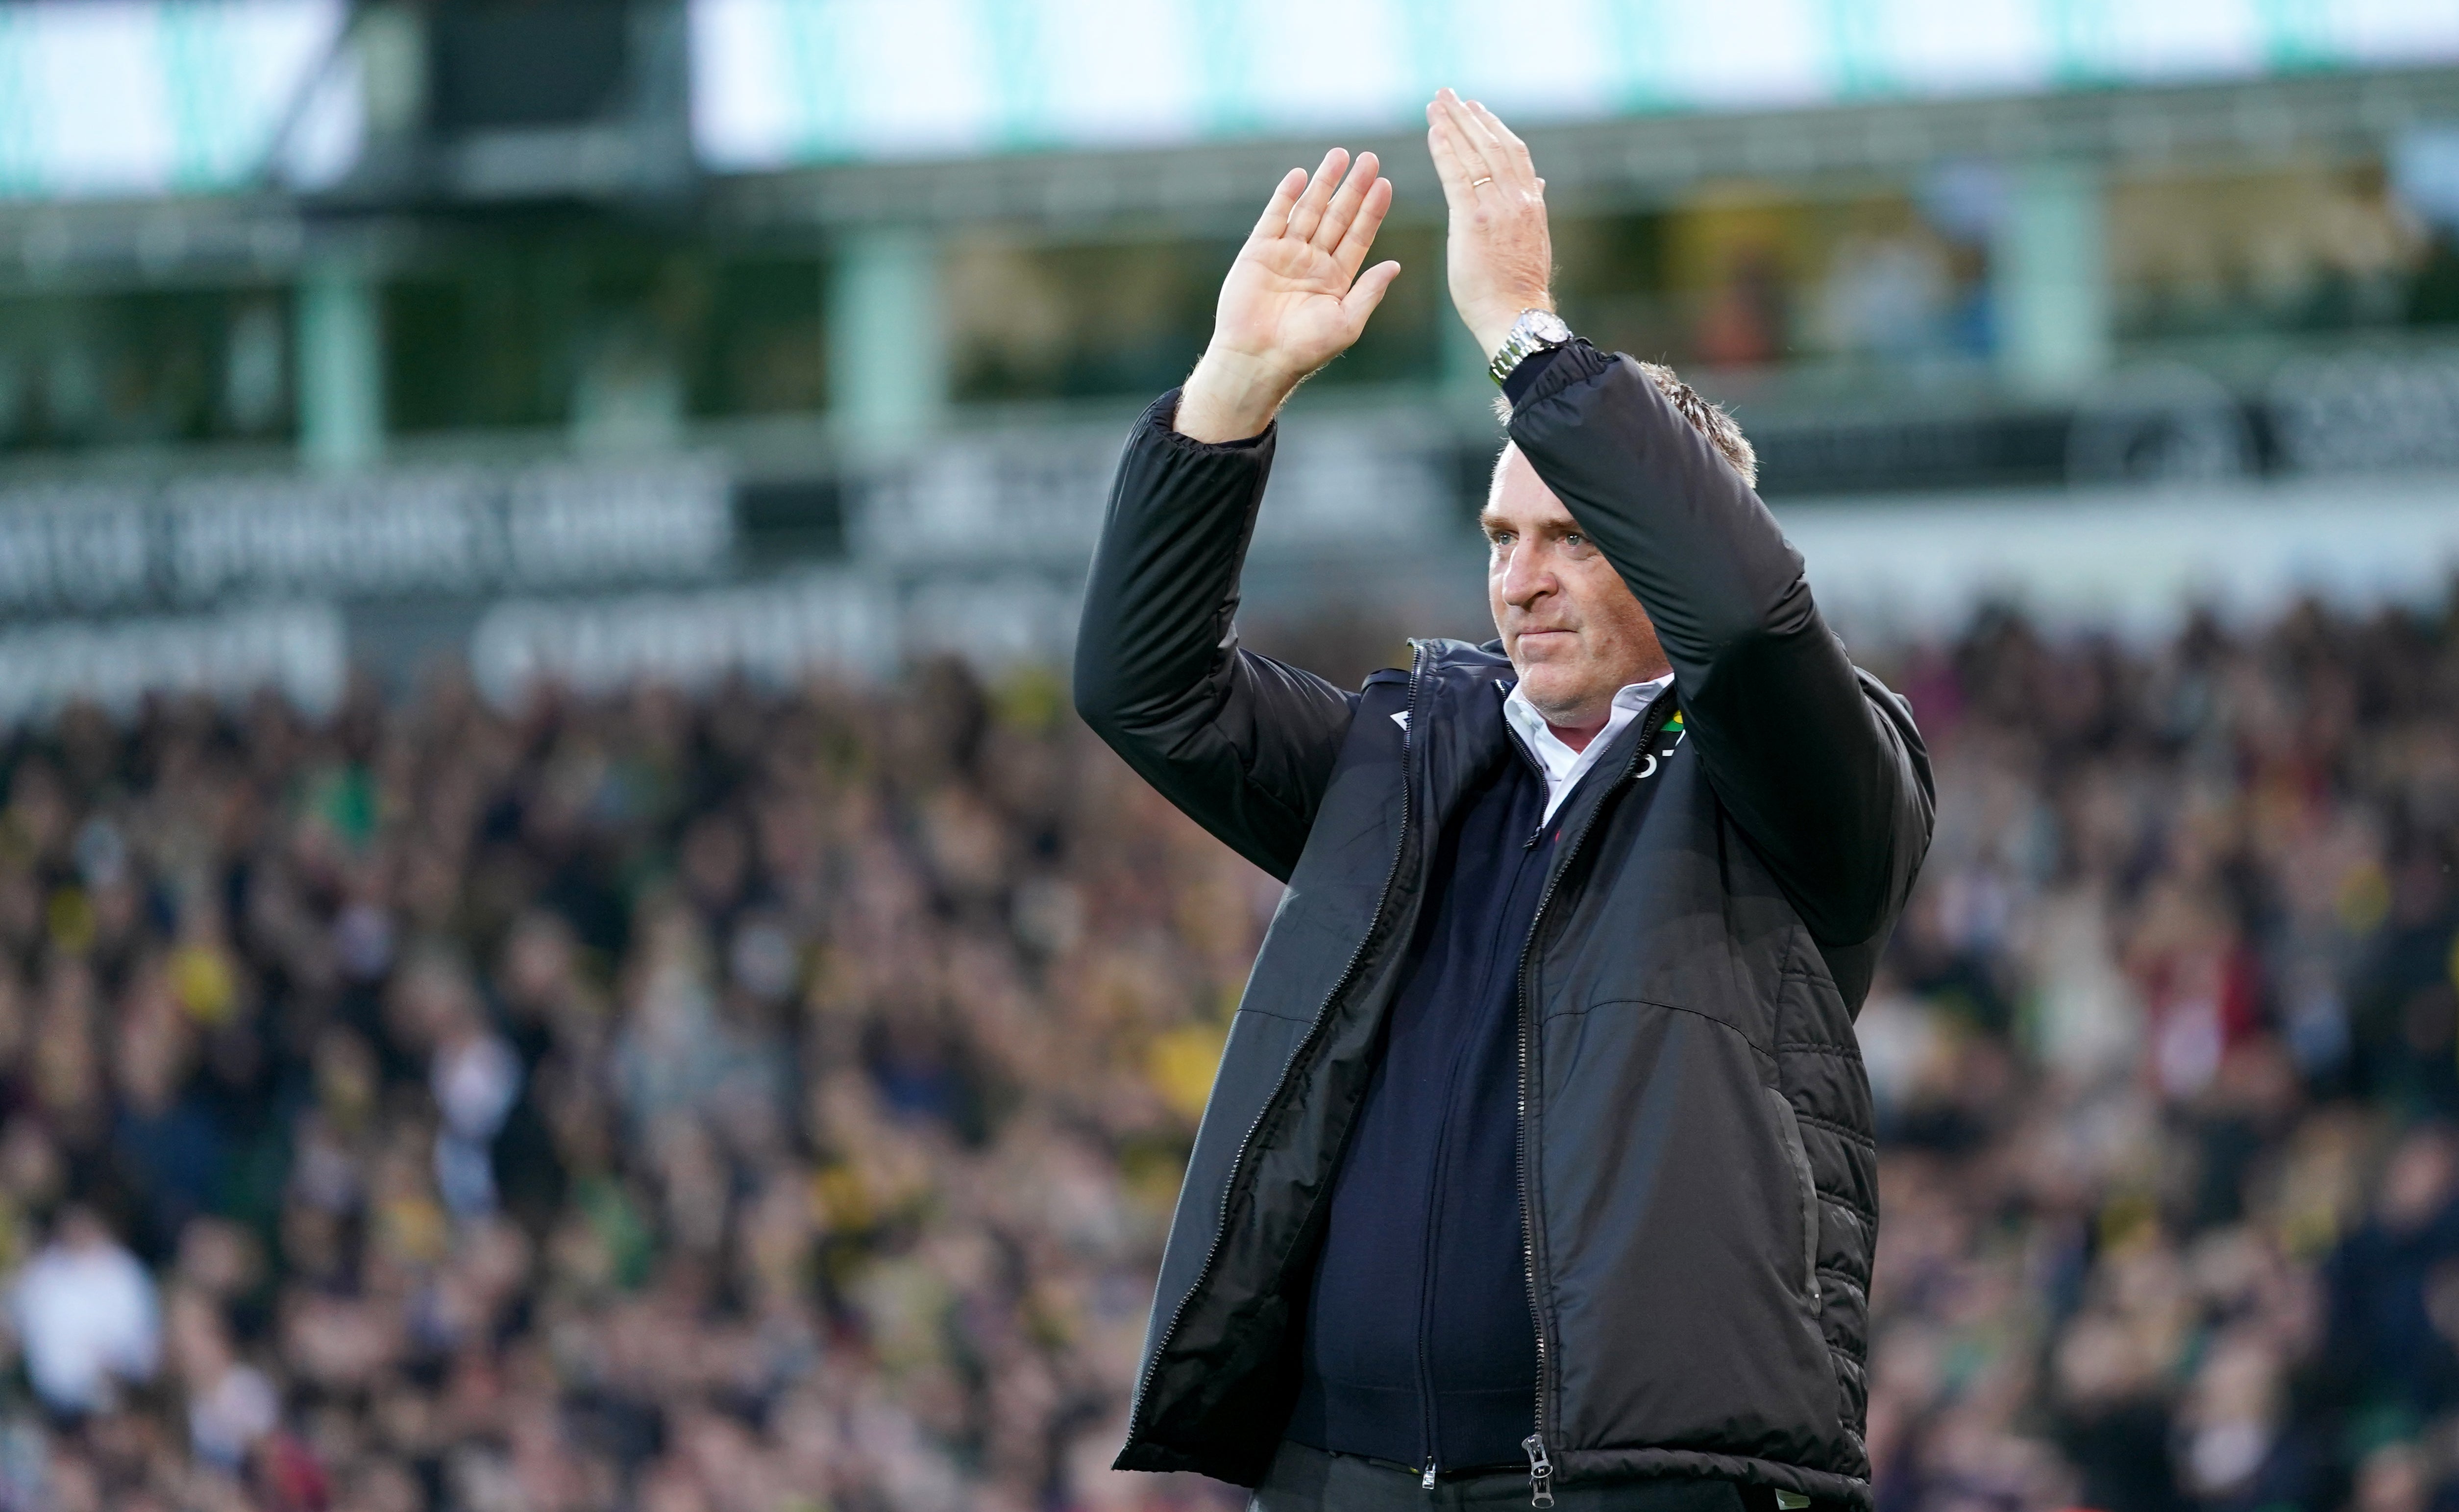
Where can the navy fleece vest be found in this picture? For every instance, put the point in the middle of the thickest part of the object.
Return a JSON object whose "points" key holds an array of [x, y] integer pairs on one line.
{"points": [[1419, 1343]]}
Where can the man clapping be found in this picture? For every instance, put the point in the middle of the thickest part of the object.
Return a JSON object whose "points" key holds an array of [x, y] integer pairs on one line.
{"points": [[1539, 1160]]}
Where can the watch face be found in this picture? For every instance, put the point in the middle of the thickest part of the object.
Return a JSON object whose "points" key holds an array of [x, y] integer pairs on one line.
{"points": [[1548, 328]]}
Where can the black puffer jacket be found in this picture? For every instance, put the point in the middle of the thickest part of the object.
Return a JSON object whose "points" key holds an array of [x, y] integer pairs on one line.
{"points": [[1697, 1171]]}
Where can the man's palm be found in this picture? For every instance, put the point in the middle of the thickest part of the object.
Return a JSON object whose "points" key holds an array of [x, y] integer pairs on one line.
{"points": [[1282, 301], [1294, 299]]}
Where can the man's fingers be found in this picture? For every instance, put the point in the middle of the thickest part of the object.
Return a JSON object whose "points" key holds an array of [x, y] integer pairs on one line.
{"points": [[1343, 209], [1473, 131], [1309, 211], [1275, 218], [1512, 146], [1493, 151], [1492, 123], [1478, 153], [1371, 210], [1368, 292], [1450, 167]]}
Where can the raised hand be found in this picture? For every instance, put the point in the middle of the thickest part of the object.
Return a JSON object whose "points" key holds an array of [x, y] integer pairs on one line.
{"points": [[1293, 300], [1498, 256]]}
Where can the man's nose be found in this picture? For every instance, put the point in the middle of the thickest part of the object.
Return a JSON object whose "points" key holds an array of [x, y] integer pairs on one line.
{"points": [[1524, 581]]}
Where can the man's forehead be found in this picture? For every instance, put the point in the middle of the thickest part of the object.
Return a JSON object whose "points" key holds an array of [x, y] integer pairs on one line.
{"points": [[1518, 492]]}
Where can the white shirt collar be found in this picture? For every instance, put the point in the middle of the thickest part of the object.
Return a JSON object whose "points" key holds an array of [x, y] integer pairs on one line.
{"points": [[1564, 766]]}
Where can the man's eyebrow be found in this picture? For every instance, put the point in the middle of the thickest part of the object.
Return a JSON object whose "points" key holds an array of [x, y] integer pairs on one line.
{"points": [[1490, 522]]}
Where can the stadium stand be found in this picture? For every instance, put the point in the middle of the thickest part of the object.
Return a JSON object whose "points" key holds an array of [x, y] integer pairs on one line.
{"points": [[772, 1099]]}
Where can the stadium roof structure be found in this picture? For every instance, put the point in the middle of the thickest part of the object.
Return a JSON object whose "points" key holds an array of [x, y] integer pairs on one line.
{"points": [[1638, 157], [783, 82], [121, 99], [137, 98]]}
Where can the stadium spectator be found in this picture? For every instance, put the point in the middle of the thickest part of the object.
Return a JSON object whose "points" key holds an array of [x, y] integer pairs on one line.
{"points": [[87, 1313]]}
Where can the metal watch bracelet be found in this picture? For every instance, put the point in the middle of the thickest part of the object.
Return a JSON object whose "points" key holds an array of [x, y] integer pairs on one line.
{"points": [[1536, 329]]}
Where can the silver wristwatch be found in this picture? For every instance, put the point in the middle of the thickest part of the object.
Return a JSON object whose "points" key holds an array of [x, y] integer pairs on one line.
{"points": [[1535, 330]]}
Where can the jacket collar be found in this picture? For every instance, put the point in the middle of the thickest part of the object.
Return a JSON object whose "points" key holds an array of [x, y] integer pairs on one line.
{"points": [[1621, 753], [1460, 726]]}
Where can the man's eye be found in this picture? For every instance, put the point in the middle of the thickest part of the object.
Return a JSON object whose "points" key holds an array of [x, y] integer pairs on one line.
{"points": [[1576, 542]]}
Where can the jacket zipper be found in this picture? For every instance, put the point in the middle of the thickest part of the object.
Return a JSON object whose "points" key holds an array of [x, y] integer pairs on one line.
{"points": [[1541, 1471], [1541, 1465], [1238, 1162], [1427, 1426]]}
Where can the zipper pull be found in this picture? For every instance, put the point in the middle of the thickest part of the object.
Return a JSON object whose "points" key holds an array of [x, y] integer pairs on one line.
{"points": [[1541, 1470], [1426, 1481]]}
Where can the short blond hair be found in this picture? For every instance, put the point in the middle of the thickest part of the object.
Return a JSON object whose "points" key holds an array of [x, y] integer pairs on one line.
{"points": [[1710, 420]]}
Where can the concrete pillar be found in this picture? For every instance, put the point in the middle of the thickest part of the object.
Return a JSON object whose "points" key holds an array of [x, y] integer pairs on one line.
{"points": [[888, 348], [2048, 273], [341, 367]]}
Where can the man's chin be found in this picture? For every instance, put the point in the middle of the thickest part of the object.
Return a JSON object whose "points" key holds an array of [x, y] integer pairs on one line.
{"points": [[1534, 653], [1539, 686]]}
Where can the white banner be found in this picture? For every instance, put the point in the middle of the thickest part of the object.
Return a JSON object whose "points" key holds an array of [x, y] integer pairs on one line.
{"points": [[775, 632], [297, 650], [412, 531]]}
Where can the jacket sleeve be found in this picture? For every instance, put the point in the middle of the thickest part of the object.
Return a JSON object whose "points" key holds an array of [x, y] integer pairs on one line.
{"points": [[1242, 743], [1819, 764]]}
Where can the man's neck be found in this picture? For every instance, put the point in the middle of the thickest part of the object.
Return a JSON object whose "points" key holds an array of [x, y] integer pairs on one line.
{"points": [[1578, 736], [1580, 730]]}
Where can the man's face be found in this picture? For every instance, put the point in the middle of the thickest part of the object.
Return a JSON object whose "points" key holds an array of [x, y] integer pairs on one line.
{"points": [[1574, 633]]}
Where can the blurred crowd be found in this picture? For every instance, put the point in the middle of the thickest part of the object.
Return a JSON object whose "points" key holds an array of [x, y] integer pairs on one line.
{"points": [[772, 1101], [2167, 1064], [735, 1104]]}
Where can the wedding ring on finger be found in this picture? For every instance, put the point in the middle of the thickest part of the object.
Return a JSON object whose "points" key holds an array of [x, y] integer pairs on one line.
{"points": [[1477, 184]]}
